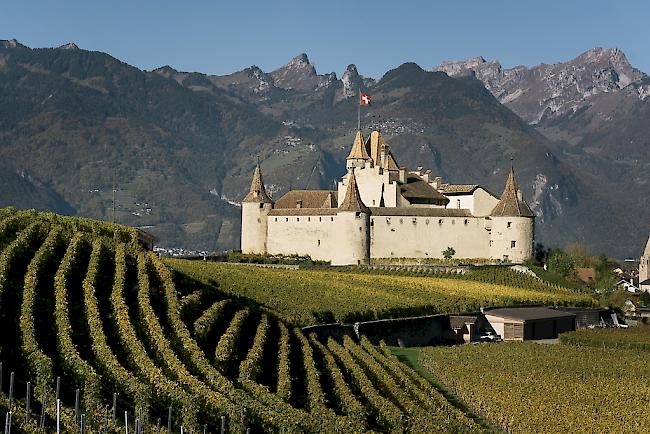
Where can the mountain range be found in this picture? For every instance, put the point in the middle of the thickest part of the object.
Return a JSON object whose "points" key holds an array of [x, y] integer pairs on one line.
{"points": [[179, 148]]}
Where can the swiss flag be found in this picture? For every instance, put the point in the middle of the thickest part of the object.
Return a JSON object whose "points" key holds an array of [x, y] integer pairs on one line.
{"points": [[364, 99]]}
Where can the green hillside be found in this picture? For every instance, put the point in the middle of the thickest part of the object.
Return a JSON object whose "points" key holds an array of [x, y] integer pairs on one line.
{"points": [[305, 297], [81, 302]]}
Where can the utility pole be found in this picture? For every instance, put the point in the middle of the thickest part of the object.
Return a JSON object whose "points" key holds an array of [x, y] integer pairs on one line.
{"points": [[114, 190]]}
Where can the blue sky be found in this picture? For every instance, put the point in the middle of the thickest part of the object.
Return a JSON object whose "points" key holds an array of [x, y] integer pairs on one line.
{"points": [[219, 37]]}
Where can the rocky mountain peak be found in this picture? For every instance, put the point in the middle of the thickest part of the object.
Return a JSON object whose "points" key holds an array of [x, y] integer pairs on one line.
{"points": [[10, 43], [351, 81], [165, 71], [69, 46], [548, 91], [298, 74]]}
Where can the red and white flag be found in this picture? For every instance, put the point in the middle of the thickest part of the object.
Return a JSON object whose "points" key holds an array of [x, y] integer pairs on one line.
{"points": [[364, 99]]}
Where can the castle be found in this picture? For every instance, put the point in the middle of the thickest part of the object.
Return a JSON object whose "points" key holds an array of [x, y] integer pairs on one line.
{"points": [[381, 210]]}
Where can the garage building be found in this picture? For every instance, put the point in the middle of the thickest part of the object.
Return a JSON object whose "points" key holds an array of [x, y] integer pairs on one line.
{"points": [[529, 323]]}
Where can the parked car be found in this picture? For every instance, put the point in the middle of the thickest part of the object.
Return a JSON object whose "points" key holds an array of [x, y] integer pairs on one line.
{"points": [[489, 336]]}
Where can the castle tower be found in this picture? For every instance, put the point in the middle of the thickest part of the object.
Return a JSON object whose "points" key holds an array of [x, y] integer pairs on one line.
{"points": [[254, 209], [358, 154], [352, 230], [513, 225], [644, 268]]}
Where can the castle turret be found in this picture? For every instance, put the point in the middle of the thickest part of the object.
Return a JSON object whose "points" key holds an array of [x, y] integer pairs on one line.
{"points": [[358, 154], [352, 228], [513, 225], [255, 209]]}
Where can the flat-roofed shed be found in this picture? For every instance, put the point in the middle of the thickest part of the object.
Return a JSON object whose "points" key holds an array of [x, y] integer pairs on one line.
{"points": [[530, 323]]}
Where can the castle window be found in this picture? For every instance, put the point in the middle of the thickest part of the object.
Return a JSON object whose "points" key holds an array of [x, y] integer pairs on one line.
{"points": [[440, 222], [297, 219], [453, 222], [287, 218], [509, 225], [373, 202], [466, 222], [320, 219], [458, 203], [490, 243], [332, 218], [388, 220], [513, 244], [276, 219], [259, 220], [308, 219], [415, 220], [261, 205], [319, 242], [360, 228]]}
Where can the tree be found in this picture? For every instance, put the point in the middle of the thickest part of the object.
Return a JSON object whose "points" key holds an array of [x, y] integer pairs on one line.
{"points": [[644, 298], [560, 263], [540, 253], [448, 253]]}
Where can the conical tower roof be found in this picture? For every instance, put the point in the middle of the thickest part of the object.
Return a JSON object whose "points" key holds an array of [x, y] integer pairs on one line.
{"points": [[646, 252], [352, 200], [512, 203], [257, 192], [358, 150]]}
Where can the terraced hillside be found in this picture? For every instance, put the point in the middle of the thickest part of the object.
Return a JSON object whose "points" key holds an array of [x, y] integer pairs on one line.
{"points": [[98, 326]]}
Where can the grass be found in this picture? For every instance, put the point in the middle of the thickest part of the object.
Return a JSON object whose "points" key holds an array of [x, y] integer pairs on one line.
{"points": [[309, 296]]}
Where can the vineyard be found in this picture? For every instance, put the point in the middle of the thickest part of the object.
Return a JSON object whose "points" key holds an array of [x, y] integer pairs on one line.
{"points": [[529, 387], [304, 297], [635, 338], [99, 336]]}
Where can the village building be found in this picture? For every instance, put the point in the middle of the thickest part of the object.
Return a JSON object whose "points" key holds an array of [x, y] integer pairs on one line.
{"points": [[383, 210], [529, 323]]}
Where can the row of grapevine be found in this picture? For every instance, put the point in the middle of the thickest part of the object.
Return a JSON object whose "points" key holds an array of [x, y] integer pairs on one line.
{"points": [[204, 324], [307, 296], [283, 388], [250, 367], [107, 362], [213, 403], [525, 387], [385, 412], [635, 338], [264, 408], [161, 387], [72, 362], [224, 351], [347, 402], [39, 363], [105, 318]]}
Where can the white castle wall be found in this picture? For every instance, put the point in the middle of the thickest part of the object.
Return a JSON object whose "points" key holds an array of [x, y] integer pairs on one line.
{"points": [[479, 203], [520, 230], [340, 238], [303, 235], [427, 237], [370, 181]]}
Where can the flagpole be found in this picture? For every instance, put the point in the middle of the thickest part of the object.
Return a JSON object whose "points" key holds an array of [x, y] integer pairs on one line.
{"points": [[359, 112]]}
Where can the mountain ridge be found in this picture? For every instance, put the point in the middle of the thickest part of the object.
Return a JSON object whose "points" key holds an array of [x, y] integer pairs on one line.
{"points": [[184, 143]]}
